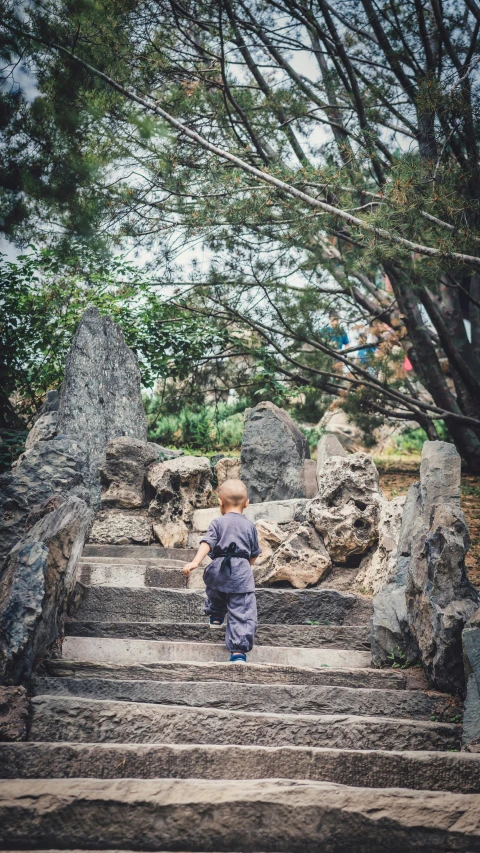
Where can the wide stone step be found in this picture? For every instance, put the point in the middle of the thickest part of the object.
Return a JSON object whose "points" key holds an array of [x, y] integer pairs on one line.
{"points": [[131, 575], [275, 606], [431, 771], [62, 718], [250, 674], [308, 636], [274, 698], [140, 552], [244, 815], [149, 651]]}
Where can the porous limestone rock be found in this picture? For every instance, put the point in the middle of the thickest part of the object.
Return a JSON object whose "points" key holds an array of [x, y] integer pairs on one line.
{"points": [[51, 467], [227, 468], [36, 580], [273, 455], [180, 486], [328, 446], [114, 527], [270, 536], [471, 660], [122, 475], [13, 714], [379, 566], [100, 397], [300, 559], [346, 510]]}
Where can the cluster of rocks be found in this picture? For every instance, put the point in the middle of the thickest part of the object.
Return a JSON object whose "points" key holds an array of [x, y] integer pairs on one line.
{"points": [[149, 493]]}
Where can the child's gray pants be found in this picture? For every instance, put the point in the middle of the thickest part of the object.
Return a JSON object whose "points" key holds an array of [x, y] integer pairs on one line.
{"points": [[242, 616]]}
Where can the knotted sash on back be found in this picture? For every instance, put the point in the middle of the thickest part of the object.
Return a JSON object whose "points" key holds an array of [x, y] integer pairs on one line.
{"points": [[227, 553]]}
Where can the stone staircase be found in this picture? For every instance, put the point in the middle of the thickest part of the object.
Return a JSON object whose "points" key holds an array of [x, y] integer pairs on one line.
{"points": [[143, 737]]}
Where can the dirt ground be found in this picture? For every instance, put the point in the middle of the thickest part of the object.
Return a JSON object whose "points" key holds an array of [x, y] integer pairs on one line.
{"points": [[395, 480]]}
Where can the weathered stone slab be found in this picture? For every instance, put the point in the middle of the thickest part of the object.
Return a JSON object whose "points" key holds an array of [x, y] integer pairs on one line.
{"points": [[277, 512], [261, 698], [100, 397], [279, 815], [252, 674], [307, 636], [126, 551], [37, 578], [93, 574], [128, 651], [279, 606], [273, 454], [431, 771], [57, 718]]}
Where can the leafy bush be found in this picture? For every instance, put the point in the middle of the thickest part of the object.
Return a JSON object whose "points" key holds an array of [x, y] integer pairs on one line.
{"points": [[206, 428]]}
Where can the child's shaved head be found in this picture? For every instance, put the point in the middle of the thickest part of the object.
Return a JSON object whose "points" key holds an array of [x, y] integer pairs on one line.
{"points": [[233, 493]]}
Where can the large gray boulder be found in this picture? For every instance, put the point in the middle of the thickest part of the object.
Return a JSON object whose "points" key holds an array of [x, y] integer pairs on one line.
{"points": [[273, 454], [440, 599], [346, 510], [100, 397], [36, 580], [51, 467]]}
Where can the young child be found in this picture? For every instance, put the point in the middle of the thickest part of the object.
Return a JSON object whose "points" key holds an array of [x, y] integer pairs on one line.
{"points": [[232, 543]]}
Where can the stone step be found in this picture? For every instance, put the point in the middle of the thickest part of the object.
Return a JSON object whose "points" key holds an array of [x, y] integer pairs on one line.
{"points": [[147, 552], [129, 651], [250, 674], [275, 606], [229, 815], [131, 575], [258, 698], [134, 561], [308, 636], [62, 718], [430, 771]]}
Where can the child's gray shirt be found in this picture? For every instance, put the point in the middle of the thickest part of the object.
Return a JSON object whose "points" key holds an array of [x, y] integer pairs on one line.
{"points": [[231, 527]]}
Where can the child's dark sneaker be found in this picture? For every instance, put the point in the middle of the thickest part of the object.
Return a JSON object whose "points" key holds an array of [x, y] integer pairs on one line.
{"points": [[216, 622], [238, 657]]}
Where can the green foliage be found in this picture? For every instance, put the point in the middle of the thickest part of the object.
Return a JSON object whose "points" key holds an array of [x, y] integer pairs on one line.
{"points": [[206, 428], [42, 299], [12, 445]]}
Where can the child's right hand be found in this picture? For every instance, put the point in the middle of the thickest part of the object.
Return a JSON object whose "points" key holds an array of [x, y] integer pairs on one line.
{"points": [[189, 567]]}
